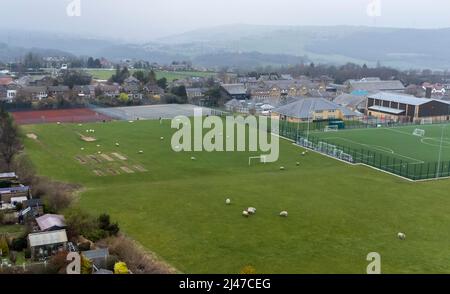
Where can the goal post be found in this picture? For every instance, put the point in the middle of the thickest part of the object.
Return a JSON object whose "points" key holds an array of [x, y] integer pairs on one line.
{"points": [[331, 128], [426, 121], [419, 133]]}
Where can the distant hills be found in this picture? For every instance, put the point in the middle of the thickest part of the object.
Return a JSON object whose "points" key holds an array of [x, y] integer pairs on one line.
{"points": [[250, 46]]}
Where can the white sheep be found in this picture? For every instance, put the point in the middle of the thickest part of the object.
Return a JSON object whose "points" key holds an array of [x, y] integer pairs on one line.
{"points": [[245, 213], [82, 148], [281, 167], [228, 201], [140, 151], [401, 236], [58, 123], [98, 145], [284, 213], [193, 158], [298, 163], [99, 152], [303, 153], [162, 138], [251, 210]]}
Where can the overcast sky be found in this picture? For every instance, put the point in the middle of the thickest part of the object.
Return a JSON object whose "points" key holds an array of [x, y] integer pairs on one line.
{"points": [[144, 20]]}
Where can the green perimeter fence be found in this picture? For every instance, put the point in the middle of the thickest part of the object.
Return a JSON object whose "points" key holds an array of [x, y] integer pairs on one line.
{"points": [[393, 164]]}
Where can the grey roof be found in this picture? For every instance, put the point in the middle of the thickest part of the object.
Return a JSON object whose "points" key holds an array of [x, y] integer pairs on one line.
{"points": [[235, 89], [34, 89], [8, 175], [60, 88], [376, 85], [47, 238], [48, 221], [399, 98], [97, 253], [349, 100], [386, 109], [233, 103], [303, 107]]}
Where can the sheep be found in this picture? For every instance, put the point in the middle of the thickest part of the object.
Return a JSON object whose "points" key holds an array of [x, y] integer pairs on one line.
{"points": [[99, 152], [251, 210], [228, 201], [58, 123], [140, 151], [162, 138], [401, 236], [245, 213], [82, 148], [303, 153], [80, 125], [298, 163], [117, 144], [281, 167], [193, 158], [98, 145], [284, 213]]}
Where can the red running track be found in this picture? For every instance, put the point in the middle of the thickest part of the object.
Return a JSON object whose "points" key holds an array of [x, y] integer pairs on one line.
{"points": [[76, 115]]}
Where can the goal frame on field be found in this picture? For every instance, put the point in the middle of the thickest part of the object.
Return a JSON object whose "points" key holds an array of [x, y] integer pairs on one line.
{"points": [[426, 121], [419, 133], [332, 128]]}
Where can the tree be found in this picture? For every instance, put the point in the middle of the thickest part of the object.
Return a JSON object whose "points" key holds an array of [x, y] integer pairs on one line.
{"points": [[121, 268], [72, 77], [4, 249], [9, 139], [123, 98], [162, 83], [120, 75]]}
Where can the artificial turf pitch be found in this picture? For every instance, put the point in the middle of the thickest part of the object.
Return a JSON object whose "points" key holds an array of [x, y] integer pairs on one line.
{"points": [[338, 213]]}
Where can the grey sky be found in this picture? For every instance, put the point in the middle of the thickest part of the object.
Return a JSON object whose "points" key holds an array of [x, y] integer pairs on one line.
{"points": [[144, 20]]}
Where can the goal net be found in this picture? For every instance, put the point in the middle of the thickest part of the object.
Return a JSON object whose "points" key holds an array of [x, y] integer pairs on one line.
{"points": [[331, 129], [426, 121], [419, 132]]}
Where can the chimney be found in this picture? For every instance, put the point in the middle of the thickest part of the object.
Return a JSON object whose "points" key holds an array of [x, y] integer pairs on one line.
{"points": [[428, 92]]}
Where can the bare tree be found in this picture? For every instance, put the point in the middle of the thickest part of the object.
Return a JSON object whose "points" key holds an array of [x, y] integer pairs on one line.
{"points": [[9, 139]]}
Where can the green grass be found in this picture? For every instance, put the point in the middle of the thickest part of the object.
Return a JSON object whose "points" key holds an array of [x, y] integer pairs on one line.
{"points": [[105, 74], [337, 213], [11, 229], [399, 141]]}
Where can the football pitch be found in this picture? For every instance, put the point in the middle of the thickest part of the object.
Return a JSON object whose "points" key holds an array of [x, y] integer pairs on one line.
{"points": [[175, 206]]}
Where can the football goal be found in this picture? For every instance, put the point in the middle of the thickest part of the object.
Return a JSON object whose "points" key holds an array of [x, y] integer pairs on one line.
{"points": [[426, 121], [419, 133], [331, 128]]}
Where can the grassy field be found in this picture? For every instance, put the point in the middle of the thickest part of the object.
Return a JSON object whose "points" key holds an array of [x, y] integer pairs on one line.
{"points": [[105, 74], [338, 213]]}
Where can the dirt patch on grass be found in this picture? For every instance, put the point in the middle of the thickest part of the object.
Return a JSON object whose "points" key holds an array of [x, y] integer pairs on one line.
{"points": [[80, 159], [113, 172], [98, 173], [119, 156], [106, 157], [94, 159], [127, 169], [140, 168], [32, 136]]}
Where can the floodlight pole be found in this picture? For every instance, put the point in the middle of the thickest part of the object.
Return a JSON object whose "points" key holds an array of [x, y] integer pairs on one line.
{"points": [[440, 152]]}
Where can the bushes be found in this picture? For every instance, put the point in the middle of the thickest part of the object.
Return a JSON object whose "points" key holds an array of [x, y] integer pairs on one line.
{"points": [[121, 268], [4, 249], [138, 260], [19, 244], [82, 223]]}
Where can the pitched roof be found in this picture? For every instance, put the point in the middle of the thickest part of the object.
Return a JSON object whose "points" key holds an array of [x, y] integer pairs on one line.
{"points": [[376, 85], [97, 253], [386, 109], [7, 175], [349, 100], [303, 108], [47, 238], [235, 89], [48, 221], [399, 98]]}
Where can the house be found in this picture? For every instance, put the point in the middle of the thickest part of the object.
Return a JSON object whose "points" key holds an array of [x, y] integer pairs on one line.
{"points": [[8, 177], [6, 80], [84, 91], [373, 85], [407, 108], [34, 92], [153, 90], [131, 81], [235, 105], [317, 109], [51, 222], [437, 90], [133, 91], [109, 90], [12, 192], [45, 244], [98, 257], [234, 91], [58, 91], [353, 102], [196, 96]]}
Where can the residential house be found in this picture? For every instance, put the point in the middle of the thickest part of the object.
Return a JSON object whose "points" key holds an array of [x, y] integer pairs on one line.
{"points": [[196, 96], [13, 192], [6, 80], [34, 92], [154, 91], [46, 244], [98, 257], [109, 90], [59, 91], [312, 108], [32, 208], [133, 90], [84, 91]]}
